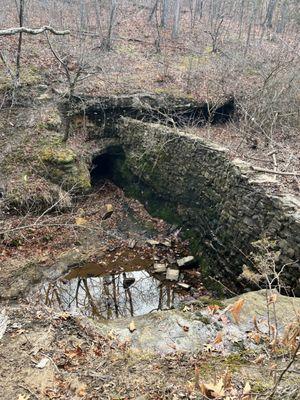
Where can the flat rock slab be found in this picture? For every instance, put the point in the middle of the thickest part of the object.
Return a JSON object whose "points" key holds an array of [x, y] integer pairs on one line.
{"points": [[175, 330]]}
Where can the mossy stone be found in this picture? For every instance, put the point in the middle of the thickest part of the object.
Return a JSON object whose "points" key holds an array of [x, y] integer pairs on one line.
{"points": [[58, 155]]}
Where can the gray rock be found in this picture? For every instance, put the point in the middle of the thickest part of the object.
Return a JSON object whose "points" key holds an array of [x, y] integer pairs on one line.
{"points": [[172, 274], [185, 261], [159, 268]]}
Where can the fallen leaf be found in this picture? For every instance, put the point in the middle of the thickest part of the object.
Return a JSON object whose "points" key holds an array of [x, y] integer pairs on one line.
{"points": [[213, 308], [255, 336], [272, 298], [131, 326], [81, 391], [236, 309], [219, 338], [246, 391], [80, 221], [21, 397], [227, 377], [213, 391], [259, 359]]}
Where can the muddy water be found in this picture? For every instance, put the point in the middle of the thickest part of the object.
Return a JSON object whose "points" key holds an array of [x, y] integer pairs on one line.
{"points": [[122, 285]]}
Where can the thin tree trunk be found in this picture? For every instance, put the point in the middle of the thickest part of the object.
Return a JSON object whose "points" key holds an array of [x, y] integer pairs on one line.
{"points": [[270, 13], [19, 51], [164, 13], [176, 19], [153, 10], [112, 15], [241, 18]]}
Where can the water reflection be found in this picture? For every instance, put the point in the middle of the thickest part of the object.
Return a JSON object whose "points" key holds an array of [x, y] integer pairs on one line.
{"points": [[120, 294]]}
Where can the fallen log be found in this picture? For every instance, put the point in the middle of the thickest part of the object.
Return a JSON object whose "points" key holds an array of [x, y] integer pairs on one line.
{"points": [[32, 31]]}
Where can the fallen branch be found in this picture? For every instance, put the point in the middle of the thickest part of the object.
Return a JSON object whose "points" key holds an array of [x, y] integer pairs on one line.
{"points": [[270, 171], [30, 31], [3, 323]]}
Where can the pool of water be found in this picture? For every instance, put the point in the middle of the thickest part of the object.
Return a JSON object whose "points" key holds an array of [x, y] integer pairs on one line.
{"points": [[121, 286]]}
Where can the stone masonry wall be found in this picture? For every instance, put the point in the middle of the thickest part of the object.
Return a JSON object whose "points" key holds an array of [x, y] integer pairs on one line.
{"points": [[225, 203]]}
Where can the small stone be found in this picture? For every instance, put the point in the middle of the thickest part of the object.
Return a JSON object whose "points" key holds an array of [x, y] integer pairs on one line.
{"points": [[159, 267], [152, 242], [172, 274], [42, 363], [185, 261], [183, 285], [44, 97], [132, 243]]}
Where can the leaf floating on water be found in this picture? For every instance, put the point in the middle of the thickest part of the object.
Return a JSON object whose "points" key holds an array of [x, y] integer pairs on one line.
{"points": [[236, 309], [132, 326]]}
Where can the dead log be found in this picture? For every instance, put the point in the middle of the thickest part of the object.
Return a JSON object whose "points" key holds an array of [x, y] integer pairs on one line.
{"points": [[31, 31]]}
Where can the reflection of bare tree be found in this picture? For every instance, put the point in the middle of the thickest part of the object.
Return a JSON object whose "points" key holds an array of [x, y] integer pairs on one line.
{"points": [[160, 298], [131, 293], [90, 298], [115, 295]]}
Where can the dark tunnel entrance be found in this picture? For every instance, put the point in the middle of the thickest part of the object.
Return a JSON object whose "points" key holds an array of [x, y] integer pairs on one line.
{"points": [[104, 165]]}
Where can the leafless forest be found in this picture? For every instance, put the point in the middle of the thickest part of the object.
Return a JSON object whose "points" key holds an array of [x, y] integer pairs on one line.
{"points": [[207, 49]]}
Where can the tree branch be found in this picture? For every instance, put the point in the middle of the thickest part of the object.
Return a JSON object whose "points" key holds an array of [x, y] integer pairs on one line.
{"points": [[30, 31], [269, 171]]}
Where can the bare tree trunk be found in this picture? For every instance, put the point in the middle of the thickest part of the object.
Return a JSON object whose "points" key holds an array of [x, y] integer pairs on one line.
{"points": [[19, 51], [164, 13], [283, 17], [153, 10], [97, 14], [270, 13], [112, 18], [199, 8], [242, 9], [251, 23], [176, 19]]}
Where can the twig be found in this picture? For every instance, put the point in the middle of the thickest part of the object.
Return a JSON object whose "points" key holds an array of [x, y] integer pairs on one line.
{"points": [[29, 391], [53, 363], [270, 171], [285, 371]]}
